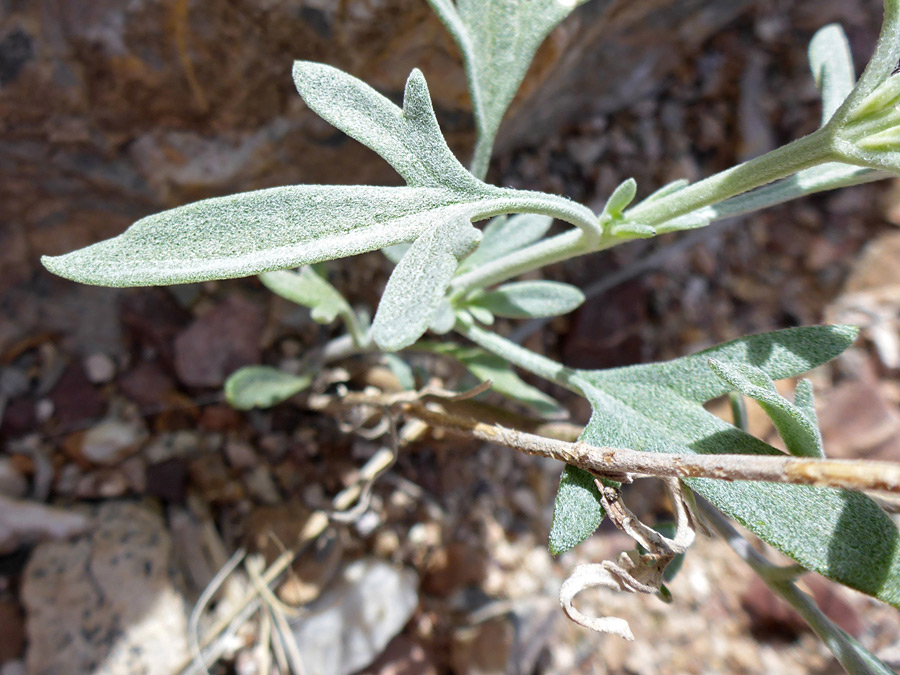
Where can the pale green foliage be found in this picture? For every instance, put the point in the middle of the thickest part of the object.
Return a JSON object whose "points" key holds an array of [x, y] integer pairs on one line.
{"points": [[797, 424], [658, 408], [263, 387], [498, 40], [832, 66], [504, 380], [866, 128], [503, 235], [417, 286], [445, 279], [281, 228], [410, 139], [528, 299], [310, 290]]}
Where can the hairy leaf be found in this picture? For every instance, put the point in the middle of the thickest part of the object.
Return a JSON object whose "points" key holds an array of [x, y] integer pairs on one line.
{"points": [[498, 40], [842, 535], [282, 228], [621, 197], [832, 67], [506, 234], [410, 139], [414, 292], [529, 299], [263, 387], [310, 290], [254, 232], [797, 425]]}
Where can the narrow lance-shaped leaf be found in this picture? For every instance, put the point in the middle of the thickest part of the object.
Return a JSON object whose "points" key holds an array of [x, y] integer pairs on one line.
{"points": [[529, 299], [842, 535], [261, 231], [263, 387], [797, 427], [832, 67], [416, 288], [504, 380], [498, 40]]}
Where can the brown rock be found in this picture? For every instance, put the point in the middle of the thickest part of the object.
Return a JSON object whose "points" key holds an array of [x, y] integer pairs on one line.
{"points": [[858, 422], [452, 567], [403, 656], [167, 480], [12, 630], [153, 319], [75, 400], [219, 342], [146, 384], [770, 616]]}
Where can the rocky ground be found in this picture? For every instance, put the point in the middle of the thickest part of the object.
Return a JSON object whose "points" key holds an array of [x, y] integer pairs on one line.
{"points": [[128, 486]]}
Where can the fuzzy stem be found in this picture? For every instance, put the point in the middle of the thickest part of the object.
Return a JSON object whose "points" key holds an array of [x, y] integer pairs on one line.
{"points": [[782, 162]]}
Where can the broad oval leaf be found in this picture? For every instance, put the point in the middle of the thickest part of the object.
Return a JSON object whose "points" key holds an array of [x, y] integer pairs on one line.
{"points": [[842, 535], [263, 387], [530, 299], [417, 285]]}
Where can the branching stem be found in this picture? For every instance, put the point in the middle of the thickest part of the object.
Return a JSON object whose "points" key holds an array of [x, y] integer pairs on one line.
{"points": [[603, 461]]}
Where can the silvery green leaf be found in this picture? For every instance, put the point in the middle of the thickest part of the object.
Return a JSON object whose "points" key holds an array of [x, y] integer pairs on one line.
{"points": [[254, 232], [444, 319], [832, 67], [416, 288], [410, 139], [498, 40], [282, 228], [842, 535], [481, 314], [621, 197], [262, 387], [797, 428], [310, 290], [396, 252], [577, 512], [633, 230], [401, 370], [689, 221], [504, 380], [505, 234], [528, 299], [880, 66]]}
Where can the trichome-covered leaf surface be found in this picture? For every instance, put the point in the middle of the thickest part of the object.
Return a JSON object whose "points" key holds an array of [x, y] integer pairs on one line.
{"points": [[281, 228], [529, 299], [262, 387], [498, 40], [658, 408]]}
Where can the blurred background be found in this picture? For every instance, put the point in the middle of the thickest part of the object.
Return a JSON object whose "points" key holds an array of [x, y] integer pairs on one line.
{"points": [[126, 482]]}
